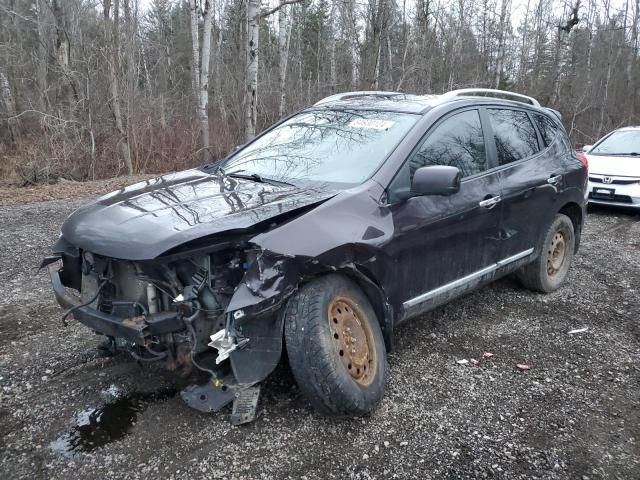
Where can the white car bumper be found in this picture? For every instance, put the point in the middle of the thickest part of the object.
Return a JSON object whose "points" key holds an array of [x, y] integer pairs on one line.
{"points": [[618, 191]]}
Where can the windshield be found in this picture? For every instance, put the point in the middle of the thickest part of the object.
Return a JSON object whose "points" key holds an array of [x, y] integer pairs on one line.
{"points": [[342, 147], [622, 142]]}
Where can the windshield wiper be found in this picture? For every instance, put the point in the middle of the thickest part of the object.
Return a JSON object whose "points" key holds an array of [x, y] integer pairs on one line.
{"points": [[627, 154], [253, 176], [250, 176]]}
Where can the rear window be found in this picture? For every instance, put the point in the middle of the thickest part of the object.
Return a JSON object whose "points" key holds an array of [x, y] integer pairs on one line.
{"points": [[548, 128], [515, 136]]}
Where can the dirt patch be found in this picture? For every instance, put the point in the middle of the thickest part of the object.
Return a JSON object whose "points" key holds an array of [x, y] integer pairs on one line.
{"points": [[64, 189], [574, 414]]}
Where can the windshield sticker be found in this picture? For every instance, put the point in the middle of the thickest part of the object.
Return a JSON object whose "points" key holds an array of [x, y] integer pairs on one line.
{"points": [[371, 123]]}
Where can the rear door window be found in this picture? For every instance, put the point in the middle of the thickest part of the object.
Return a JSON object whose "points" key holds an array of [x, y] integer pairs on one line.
{"points": [[515, 135], [547, 127]]}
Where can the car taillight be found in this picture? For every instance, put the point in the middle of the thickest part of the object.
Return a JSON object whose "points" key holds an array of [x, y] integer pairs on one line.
{"points": [[583, 159]]}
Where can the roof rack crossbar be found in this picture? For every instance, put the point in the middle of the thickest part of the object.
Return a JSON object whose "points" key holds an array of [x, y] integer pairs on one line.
{"points": [[346, 95], [490, 92]]}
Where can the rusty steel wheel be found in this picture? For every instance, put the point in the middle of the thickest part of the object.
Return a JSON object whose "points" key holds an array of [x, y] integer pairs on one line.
{"points": [[549, 269], [353, 339], [335, 346], [556, 253]]}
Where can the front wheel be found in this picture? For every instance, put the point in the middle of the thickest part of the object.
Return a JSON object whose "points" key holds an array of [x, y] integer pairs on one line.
{"points": [[549, 271], [335, 347]]}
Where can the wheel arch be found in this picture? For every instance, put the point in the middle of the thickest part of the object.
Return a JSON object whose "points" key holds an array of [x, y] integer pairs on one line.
{"points": [[374, 292], [576, 214], [376, 295]]}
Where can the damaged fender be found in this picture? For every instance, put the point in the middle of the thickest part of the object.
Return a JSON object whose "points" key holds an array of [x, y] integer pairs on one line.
{"points": [[298, 251]]}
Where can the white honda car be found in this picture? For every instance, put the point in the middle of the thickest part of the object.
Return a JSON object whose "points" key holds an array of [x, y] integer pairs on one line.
{"points": [[614, 168]]}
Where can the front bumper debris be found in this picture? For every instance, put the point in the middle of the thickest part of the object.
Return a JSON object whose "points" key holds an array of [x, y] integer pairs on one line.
{"points": [[215, 394], [135, 329], [225, 343], [100, 322]]}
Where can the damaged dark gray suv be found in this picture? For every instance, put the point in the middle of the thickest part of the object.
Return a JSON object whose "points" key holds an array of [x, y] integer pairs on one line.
{"points": [[323, 234]]}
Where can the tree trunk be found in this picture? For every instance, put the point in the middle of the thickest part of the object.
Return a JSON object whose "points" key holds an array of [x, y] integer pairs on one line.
{"points": [[130, 83], [423, 42], [373, 44], [524, 49], [557, 63], [203, 100], [333, 80], [631, 63], [284, 30], [377, 69], [195, 48], [353, 42], [218, 84], [41, 67], [68, 92], [251, 99], [129, 49], [111, 37], [10, 107], [501, 43], [405, 41]]}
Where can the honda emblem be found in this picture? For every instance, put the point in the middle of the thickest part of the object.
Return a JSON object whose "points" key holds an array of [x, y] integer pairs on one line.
{"points": [[607, 180]]}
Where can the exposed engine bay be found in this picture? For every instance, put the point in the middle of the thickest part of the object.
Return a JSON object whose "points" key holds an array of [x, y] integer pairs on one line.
{"points": [[171, 310], [178, 305]]}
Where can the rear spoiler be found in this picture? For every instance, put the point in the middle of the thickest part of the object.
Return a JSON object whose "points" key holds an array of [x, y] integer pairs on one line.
{"points": [[555, 112]]}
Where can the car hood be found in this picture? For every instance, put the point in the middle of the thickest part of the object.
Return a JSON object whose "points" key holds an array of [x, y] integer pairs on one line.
{"points": [[145, 220], [614, 165]]}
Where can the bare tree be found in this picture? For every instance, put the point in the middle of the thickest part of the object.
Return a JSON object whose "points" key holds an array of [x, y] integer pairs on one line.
{"points": [[632, 62], [200, 68], [506, 5], [148, 86], [252, 49], [333, 79], [253, 38], [284, 38], [111, 36], [194, 8], [41, 56], [203, 101], [69, 91], [9, 105]]}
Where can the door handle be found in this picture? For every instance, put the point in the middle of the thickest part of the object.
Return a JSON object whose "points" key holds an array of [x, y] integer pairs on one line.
{"points": [[554, 180], [490, 202]]}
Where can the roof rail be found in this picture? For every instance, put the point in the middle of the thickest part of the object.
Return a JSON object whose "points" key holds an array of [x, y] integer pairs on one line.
{"points": [[490, 92], [348, 95]]}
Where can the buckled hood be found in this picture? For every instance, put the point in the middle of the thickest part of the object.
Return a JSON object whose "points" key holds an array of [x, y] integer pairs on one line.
{"points": [[144, 220]]}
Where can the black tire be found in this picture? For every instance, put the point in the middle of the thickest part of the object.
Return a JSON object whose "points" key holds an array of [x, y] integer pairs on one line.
{"points": [[317, 360], [547, 273]]}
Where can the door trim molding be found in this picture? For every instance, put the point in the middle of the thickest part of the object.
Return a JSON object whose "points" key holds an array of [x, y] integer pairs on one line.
{"points": [[424, 297]]}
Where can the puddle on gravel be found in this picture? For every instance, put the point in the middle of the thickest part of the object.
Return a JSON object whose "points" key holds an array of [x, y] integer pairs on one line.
{"points": [[94, 428]]}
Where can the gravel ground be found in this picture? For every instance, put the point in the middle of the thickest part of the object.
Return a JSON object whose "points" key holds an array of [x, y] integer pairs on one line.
{"points": [[574, 414]]}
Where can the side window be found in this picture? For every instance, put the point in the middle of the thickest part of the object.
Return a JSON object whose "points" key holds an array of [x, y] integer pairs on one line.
{"points": [[548, 128], [515, 135], [456, 142]]}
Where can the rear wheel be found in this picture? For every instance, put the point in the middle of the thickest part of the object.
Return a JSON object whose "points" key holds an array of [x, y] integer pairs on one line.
{"points": [[335, 347], [549, 271]]}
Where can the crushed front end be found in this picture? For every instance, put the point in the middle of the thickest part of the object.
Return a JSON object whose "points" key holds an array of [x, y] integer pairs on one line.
{"points": [[175, 310]]}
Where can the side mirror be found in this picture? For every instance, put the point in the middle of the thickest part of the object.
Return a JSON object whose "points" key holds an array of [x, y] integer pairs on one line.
{"points": [[436, 180], [586, 148]]}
